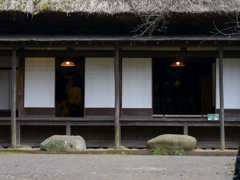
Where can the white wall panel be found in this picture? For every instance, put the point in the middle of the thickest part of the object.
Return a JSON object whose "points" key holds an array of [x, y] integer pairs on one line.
{"points": [[137, 83], [99, 83], [39, 90], [231, 83]]}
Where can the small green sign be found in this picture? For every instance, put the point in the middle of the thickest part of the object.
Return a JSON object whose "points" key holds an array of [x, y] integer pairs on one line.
{"points": [[213, 117]]}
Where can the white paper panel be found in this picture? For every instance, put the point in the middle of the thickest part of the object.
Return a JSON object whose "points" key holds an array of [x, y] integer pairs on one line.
{"points": [[231, 83], [99, 83], [39, 82], [137, 83]]}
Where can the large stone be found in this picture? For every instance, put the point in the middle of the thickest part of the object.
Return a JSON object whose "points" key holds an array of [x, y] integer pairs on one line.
{"points": [[64, 143], [171, 141]]}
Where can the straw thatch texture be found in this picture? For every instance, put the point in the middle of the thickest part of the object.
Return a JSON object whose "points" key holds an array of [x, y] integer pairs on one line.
{"points": [[120, 6]]}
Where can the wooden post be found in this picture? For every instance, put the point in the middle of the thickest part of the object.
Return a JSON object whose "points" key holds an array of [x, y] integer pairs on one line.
{"points": [[117, 99], [222, 131], [13, 105], [185, 128], [18, 133], [68, 129]]}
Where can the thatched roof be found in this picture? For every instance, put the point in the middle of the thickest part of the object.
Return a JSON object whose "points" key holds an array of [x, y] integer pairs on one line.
{"points": [[112, 7]]}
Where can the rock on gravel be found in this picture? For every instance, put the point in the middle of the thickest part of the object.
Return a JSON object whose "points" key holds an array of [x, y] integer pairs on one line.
{"points": [[172, 141], [64, 143]]}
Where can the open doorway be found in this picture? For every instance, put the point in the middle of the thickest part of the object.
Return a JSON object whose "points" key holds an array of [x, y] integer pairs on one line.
{"points": [[185, 90], [69, 100]]}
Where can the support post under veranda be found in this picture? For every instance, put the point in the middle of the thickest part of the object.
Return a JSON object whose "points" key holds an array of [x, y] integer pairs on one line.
{"points": [[117, 98], [13, 100], [221, 93]]}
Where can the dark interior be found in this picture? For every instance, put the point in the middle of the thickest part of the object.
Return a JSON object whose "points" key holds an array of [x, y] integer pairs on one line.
{"points": [[75, 75], [182, 90]]}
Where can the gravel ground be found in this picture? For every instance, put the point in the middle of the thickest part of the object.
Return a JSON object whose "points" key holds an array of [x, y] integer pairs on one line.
{"points": [[114, 167]]}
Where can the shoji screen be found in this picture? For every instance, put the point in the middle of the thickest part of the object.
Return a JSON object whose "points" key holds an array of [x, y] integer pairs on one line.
{"points": [[231, 83], [39, 90], [137, 83], [99, 83]]}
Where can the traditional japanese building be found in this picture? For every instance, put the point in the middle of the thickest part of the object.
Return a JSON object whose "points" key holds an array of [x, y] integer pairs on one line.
{"points": [[131, 88]]}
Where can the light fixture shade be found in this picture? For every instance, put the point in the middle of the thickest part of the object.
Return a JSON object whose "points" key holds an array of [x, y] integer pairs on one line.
{"points": [[68, 63], [177, 64]]}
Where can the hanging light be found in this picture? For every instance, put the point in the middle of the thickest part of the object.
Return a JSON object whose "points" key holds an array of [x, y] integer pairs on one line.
{"points": [[177, 64], [68, 63]]}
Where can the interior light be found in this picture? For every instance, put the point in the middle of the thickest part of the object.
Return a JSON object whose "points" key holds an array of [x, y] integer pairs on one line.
{"points": [[67, 63], [177, 64]]}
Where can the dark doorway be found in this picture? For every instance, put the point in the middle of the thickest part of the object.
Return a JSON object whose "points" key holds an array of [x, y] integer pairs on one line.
{"points": [[183, 90], [70, 88]]}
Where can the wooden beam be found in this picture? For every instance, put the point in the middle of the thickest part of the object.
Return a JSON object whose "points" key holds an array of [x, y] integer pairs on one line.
{"points": [[13, 105], [222, 129], [153, 54], [117, 99]]}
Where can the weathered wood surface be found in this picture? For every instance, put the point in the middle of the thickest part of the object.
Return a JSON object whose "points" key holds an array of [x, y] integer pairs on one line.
{"points": [[117, 98], [14, 99], [221, 97], [153, 54]]}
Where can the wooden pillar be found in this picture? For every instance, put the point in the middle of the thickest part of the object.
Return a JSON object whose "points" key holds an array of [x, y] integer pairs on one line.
{"points": [[222, 131], [117, 99], [68, 129], [13, 100], [185, 128]]}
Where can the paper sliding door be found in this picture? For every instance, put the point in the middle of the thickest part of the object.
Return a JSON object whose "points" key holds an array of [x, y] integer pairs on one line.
{"points": [[39, 86]]}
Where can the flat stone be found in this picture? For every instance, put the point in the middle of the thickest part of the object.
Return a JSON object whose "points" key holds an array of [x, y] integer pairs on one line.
{"points": [[208, 149], [24, 147], [217, 149], [123, 148], [64, 143], [172, 141], [1, 147], [199, 149]]}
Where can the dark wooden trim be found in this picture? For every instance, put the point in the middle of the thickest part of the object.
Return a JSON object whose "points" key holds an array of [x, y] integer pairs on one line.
{"points": [[137, 112], [99, 111], [230, 112], [21, 64], [39, 111], [125, 54], [120, 84]]}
